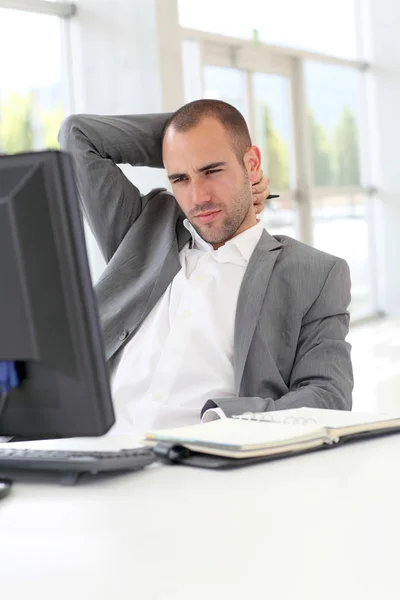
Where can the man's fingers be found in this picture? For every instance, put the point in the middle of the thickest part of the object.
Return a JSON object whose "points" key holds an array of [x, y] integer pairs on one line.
{"points": [[258, 206], [259, 176], [260, 186], [260, 192]]}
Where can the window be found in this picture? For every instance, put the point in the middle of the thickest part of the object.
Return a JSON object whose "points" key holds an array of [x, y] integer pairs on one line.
{"points": [[272, 125], [225, 84], [333, 98], [339, 203], [273, 134], [284, 23], [31, 107]]}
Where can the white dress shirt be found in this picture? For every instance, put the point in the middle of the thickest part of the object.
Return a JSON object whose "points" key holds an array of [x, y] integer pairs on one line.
{"points": [[182, 354]]}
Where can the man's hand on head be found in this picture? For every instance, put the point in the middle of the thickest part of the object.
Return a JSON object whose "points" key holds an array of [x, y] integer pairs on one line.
{"points": [[260, 192]]}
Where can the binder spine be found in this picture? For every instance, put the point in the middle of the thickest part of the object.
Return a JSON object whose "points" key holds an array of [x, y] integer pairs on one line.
{"points": [[171, 453]]}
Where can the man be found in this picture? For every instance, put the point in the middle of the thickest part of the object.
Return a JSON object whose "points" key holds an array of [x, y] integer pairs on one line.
{"points": [[201, 308]]}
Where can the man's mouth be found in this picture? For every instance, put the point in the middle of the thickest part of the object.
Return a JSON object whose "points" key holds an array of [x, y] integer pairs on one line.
{"points": [[208, 216]]}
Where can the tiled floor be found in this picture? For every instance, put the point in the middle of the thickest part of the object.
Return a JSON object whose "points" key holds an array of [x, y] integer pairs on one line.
{"points": [[376, 363]]}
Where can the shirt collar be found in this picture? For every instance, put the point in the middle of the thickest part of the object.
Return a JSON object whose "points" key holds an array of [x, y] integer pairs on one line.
{"points": [[242, 245]]}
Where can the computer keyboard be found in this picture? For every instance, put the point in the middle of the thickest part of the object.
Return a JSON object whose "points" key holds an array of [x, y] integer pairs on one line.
{"points": [[72, 463]]}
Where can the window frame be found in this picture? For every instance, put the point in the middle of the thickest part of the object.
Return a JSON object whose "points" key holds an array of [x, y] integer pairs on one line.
{"points": [[64, 10]]}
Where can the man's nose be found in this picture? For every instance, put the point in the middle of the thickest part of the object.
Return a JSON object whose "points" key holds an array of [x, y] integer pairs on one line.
{"points": [[200, 193]]}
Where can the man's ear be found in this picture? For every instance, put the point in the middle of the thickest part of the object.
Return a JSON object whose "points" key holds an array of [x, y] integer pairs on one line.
{"points": [[252, 161]]}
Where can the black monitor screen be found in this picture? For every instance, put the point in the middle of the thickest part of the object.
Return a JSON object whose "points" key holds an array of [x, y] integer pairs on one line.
{"points": [[48, 312]]}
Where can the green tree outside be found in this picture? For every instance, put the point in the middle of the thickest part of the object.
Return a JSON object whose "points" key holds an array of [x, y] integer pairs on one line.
{"points": [[276, 151], [335, 154], [16, 132], [347, 160], [51, 121], [322, 154], [17, 113]]}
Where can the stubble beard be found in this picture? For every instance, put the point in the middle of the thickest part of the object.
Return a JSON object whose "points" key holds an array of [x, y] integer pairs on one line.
{"points": [[238, 211]]}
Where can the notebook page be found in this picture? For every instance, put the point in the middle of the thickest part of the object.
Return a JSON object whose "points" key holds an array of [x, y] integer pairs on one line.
{"points": [[238, 434], [319, 417]]}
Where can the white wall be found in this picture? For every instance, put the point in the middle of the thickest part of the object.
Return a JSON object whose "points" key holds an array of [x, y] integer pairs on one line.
{"points": [[385, 57], [116, 68]]}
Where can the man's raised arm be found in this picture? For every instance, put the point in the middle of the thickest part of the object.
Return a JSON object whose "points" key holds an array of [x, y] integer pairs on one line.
{"points": [[111, 203]]}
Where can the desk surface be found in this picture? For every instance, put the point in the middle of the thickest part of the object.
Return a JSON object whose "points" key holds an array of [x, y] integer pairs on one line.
{"points": [[318, 526]]}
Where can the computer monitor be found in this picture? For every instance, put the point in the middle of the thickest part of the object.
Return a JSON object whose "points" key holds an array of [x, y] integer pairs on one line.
{"points": [[48, 311]]}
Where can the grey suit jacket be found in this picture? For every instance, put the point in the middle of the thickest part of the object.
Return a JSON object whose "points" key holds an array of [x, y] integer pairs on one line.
{"points": [[291, 320]]}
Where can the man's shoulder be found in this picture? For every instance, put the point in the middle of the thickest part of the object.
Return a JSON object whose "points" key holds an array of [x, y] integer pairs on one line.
{"points": [[162, 216], [160, 193], [301, 272], [298, 254], [161, 202]]}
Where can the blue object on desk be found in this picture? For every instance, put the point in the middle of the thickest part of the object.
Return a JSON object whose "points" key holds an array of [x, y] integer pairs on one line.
{"points": [[8, 376], [5, 487]]}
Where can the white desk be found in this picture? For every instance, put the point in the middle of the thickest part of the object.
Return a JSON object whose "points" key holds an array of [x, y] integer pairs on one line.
{"points": [[320, 526]]}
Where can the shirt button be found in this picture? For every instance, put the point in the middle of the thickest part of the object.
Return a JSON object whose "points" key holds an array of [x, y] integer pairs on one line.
{"points": [[187, 314], [123, 335], [156, 397], [174, 351], [200, 278]]}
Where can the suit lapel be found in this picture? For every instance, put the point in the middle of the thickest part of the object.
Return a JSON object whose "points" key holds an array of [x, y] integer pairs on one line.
{"points": [[119, 317], [250, 300], [169, 269]]}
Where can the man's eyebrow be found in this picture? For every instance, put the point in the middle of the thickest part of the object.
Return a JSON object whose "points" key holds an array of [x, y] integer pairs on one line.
{"points": [[213, 165], [176, 176]]}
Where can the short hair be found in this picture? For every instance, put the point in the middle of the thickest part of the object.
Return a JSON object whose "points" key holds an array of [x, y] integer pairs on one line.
{"points": [[190, 115]]}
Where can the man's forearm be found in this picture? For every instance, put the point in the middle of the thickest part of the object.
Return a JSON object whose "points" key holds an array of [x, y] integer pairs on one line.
{"points": [[125, 139], [110, 201], [311, 396]]}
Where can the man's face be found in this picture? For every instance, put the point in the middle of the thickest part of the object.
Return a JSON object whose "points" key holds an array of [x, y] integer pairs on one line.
{"points": [[209, 183]]}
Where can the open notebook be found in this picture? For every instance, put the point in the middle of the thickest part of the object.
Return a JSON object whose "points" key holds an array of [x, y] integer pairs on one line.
{"points": [[272, 434]]}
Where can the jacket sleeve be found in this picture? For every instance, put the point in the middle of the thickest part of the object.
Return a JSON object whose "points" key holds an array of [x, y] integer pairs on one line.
{"points": [[322, 375], [110, 202]]}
